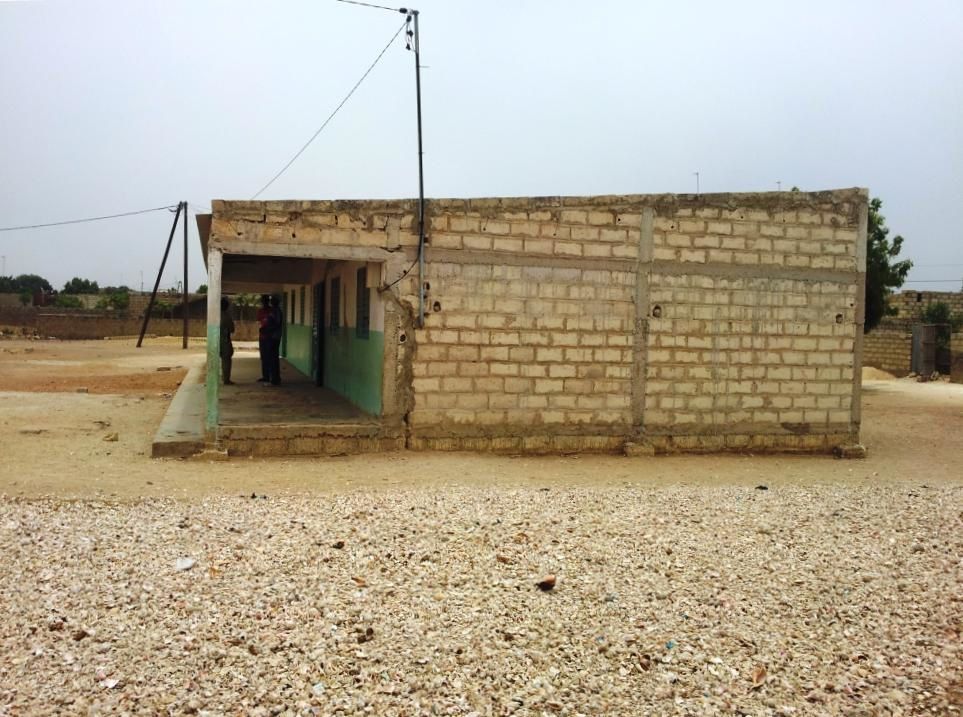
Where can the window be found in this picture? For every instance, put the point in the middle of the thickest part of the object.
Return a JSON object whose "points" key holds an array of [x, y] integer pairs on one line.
{"points": [[363, 305], [302, 305], [334, 320]]}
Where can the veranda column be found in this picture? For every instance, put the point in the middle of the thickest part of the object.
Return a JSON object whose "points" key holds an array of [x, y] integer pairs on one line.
{"points": [[214, 262]]}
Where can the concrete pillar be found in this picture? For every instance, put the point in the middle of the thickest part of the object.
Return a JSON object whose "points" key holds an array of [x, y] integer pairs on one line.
{"points": [[215, 259]]}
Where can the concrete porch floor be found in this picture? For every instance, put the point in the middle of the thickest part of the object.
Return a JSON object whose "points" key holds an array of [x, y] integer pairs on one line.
{"points": [[295, 418], [296, 400]]}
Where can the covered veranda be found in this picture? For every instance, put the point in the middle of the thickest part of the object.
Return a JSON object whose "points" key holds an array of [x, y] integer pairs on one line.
{"points": [[330, 399]]}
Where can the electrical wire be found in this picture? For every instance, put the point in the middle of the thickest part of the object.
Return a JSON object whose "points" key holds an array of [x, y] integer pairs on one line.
{"points": [[403, 274], [331, 116], [169, 207], [378, 7]]}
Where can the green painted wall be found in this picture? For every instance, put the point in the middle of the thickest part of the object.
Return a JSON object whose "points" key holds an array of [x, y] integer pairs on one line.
{"points": [[297, 347], [352, 366]]}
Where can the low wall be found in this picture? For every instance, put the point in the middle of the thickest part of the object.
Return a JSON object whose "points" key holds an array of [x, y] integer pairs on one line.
{"points": [[71, 325], [910, 304], [889, 347], [956, 360]]}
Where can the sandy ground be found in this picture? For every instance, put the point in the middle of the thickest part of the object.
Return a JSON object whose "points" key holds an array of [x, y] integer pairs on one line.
{"points": [[914, 433], [683, 586]]}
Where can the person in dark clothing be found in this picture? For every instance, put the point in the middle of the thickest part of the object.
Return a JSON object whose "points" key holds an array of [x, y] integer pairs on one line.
{"points": [[275, 332], [227, 347], [263, 342]]}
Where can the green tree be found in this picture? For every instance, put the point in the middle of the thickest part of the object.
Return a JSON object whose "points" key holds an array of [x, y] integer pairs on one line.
{"points": [[32, 283], [202, 289], [883, 272], [7, 285], [80, 286], [26, 298], [117, 299], [68, 301]]}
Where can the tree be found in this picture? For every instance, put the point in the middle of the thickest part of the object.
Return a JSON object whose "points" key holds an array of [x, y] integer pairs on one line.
{"points": [[32, 283], [68, 301], [80, 286], [202, 289], [883, 272], [117, 298]]}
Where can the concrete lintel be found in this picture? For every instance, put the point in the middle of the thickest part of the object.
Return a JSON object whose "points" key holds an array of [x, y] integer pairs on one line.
{"points": [[752, 271], [306, 251], [460, 256]]}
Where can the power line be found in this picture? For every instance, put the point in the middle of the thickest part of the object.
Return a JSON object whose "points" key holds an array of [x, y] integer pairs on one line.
{"points": [[88, 219], [331, 116], [931, 281], [378, 7]]}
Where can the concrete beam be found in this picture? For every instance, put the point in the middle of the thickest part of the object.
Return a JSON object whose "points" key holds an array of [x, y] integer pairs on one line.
{"points": [[266, 270]]}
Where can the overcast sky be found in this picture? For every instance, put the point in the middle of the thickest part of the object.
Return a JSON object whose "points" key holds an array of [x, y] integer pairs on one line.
{"points": [[110, 107]]}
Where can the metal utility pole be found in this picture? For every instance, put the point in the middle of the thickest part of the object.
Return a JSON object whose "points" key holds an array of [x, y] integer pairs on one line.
{"points": [[413, 42], [181, 206], [697, 181], [4, 272], [186, 293], [421, 179]]}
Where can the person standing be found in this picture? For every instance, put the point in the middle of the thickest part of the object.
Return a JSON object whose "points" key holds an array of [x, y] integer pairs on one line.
{"points": [[275, 332], [227, 348], [263, 342]]}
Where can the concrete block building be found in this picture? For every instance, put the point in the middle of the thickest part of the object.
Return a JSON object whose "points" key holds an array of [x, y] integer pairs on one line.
{"points": [[552, 324]]}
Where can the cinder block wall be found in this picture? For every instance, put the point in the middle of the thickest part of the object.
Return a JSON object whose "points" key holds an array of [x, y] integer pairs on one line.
{"points": [[956, 365], [889, 346], [710, 322], [910, 304]]}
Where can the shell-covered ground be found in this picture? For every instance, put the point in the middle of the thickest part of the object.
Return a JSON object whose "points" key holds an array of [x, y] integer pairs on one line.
{"points": [[688, 600]]}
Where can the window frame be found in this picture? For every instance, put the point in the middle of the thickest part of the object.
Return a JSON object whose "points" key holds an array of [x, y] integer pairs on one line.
{"points": [[334, 308], [362, 305]]}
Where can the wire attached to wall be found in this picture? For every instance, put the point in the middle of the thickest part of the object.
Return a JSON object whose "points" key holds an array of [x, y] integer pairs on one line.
{"points": [[403, 275], [331, 116]]}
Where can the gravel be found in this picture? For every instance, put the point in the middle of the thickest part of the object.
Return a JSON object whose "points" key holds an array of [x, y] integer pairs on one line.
{"points": [[688, 600]]}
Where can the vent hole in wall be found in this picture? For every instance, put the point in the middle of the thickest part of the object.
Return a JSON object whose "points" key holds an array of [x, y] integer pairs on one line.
{"points": [[402, 338], [657, 312], [839, 318], [436, 306], [427, 286]]}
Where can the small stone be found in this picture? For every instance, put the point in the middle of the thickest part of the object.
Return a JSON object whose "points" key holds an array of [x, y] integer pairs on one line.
{"points": [[338, 544], [182, 564], [546, 583]]}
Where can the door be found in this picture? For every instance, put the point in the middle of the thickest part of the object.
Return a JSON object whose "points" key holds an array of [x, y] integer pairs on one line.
{"points": [[317, 333]]}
